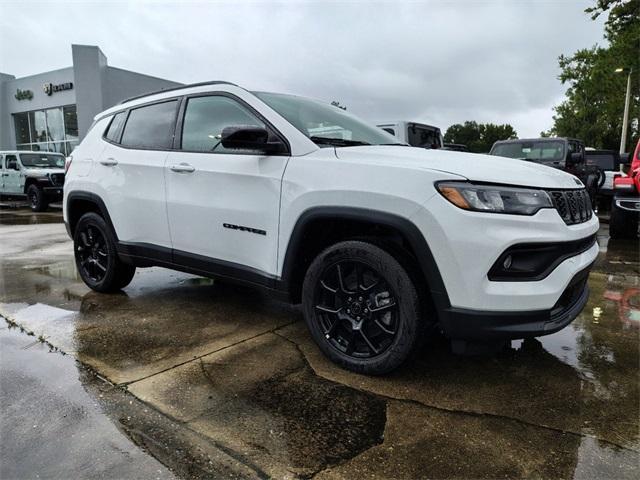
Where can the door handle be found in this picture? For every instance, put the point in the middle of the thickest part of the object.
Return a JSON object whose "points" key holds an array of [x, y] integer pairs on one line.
{"points": [[109, 162], [182, 168]]}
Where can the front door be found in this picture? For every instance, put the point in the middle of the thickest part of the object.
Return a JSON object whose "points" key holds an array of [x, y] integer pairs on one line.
{"points": [[12, 176], [223, 205]]}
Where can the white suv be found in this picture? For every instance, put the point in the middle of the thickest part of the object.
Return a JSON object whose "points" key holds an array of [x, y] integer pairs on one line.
{"points": [[379, 241]]}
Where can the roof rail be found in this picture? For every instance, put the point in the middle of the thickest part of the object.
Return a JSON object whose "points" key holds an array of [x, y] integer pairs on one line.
{"points": [[200, 84]]}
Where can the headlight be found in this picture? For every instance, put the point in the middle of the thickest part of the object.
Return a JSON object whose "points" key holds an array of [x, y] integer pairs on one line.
{"points": [[494, 198]]}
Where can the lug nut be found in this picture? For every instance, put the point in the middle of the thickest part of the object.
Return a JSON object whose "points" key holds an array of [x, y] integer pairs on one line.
{"points": [[348, 310], [359, 299]]}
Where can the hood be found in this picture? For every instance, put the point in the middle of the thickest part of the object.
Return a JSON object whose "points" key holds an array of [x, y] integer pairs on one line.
{"points": [[472, 166], [41, 172]]}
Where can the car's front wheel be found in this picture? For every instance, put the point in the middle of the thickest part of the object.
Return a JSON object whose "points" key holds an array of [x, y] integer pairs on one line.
{"points": [[96, 257], [37, 199], [362, 307]]}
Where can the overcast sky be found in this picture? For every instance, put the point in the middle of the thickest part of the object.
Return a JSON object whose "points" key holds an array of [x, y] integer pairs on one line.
{"points": [[438, 62]]}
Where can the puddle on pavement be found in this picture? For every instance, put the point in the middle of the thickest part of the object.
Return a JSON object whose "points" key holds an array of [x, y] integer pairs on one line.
{"points": [[21, 217], [261, 398], [54, 422], [257, 396]]}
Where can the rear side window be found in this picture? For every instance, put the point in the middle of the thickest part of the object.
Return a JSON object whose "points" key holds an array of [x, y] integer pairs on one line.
{"points": [[151, 126], [115, 127]]}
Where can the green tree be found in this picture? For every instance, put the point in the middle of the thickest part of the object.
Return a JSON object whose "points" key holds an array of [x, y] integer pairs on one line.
{"points": [[594, 104], [478, 137]]}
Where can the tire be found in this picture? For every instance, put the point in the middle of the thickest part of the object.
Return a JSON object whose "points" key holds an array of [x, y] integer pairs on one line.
{"points": [[96, 257], [368, 326], [622, 223], [37, 199]]}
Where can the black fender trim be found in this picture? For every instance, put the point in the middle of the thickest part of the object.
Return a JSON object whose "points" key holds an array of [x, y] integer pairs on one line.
{"points": [[408, 229], [88, 197]]}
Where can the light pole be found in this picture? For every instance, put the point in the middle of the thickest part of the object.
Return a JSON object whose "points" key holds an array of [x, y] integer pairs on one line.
{"points": [[625, 119]]}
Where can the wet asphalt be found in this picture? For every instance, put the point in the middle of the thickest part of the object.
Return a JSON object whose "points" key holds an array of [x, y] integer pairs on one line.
{"points": [[180, 376]]}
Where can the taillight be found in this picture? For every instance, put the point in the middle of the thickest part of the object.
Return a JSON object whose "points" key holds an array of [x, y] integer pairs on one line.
{"points": [[623, 183], [67, 163]]}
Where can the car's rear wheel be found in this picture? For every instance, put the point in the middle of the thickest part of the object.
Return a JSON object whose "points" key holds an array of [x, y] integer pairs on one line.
{"points": [[37, 199], [623, 223], [362, 307], [96, 257]]}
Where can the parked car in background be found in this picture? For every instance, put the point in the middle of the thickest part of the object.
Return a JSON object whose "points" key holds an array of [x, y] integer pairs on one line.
{"points": [[38, 176], [625, 206], [567, 154], [607, 162], [415, 134], [456, 147]]}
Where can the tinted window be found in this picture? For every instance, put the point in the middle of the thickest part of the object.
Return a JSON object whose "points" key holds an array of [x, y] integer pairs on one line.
{"points": [[151, 126], [42, 160], [113, 130], [390, 130], [543, 150], [11, 162], [424, 137], [206, 117], [606, 161]]}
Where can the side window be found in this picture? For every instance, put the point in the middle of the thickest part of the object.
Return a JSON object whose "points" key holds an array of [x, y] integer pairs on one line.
{"points": [[11, 162], [390, 130], [113, 130], [151, 126], [206, 117], [1, 162]]}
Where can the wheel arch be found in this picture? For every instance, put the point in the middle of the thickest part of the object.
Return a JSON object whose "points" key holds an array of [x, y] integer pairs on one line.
{"points": [[319, 227], [78, 203], [28, 182]]}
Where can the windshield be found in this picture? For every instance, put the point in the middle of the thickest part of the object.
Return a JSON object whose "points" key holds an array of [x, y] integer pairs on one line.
{"points": [[42, 160], [324, 124], [553, 150]]}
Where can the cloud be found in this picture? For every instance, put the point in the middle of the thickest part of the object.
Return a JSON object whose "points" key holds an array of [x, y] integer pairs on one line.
{"points": [[439, 61]]}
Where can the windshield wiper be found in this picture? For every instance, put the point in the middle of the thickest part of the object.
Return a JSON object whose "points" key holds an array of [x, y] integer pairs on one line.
{"points": [[337, 142]]}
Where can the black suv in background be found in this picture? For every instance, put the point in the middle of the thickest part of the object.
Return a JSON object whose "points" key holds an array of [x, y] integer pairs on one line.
{"points": [[566, 154]]}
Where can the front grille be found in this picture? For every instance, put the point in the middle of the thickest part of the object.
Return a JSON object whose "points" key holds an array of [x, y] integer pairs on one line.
{"points": [[574, 206], [57, 179]]}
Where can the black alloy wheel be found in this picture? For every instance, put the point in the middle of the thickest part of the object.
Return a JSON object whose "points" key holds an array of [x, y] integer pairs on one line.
{"points": [[92, 254], [96, 258], [356, 309], [362, 307]]}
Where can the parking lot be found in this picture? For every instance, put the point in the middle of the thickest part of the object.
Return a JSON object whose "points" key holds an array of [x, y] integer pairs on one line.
{"points": [[188, 377]]}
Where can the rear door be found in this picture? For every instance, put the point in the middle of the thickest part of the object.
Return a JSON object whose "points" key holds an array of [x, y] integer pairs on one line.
{"points": [[130, 171], [223, 205]]}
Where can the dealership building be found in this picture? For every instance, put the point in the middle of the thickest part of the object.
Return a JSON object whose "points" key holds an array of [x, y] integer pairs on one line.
{"points": [[52, 111]]}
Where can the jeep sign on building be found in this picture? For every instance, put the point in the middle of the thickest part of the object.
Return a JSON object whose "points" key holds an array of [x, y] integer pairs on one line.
{"points": [[52, 111]]}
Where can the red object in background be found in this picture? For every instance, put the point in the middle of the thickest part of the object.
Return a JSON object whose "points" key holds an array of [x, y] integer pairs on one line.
{"points": [[633, 180]]}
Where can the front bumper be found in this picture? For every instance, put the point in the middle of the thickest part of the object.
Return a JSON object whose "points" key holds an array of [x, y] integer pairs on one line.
{"points": [[53, 192], [476, 325]]}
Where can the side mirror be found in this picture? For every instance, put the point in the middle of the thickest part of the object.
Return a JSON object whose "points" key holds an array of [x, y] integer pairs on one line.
{"points": [[249, 137]]}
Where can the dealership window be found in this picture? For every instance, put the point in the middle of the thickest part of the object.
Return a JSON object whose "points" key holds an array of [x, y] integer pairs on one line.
{"points": [[51, 130]]}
